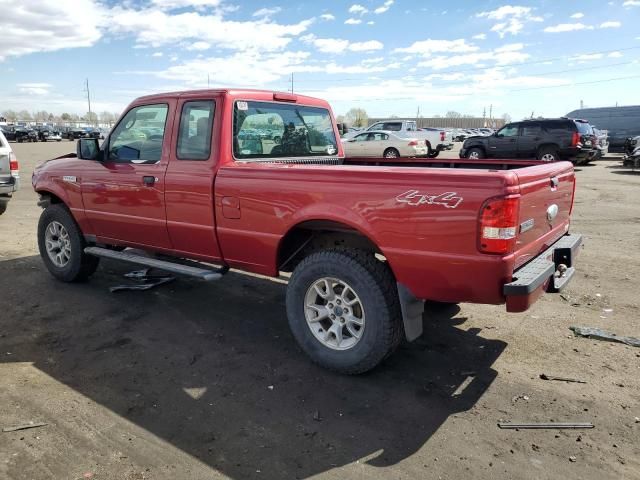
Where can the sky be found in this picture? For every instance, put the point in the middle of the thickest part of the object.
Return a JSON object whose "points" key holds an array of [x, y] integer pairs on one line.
{"points": [[390, 57]]}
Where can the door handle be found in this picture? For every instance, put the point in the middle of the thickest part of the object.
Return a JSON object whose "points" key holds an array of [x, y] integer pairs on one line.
{"points": [[149, 180]]}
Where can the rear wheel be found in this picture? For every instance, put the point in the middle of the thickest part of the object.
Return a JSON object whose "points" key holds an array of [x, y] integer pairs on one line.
{"points": [[548, 154], [3, 207], [343, 310], [61, 246], [391, 153], [475, 153]]}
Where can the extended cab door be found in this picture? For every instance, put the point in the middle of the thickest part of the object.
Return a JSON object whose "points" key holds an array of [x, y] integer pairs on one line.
{"points": [[190, 177], [504, 144], [123, 195]]}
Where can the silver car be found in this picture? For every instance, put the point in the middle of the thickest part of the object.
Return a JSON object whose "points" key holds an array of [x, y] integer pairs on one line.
{"points": [[386, 144], [9, 173]]}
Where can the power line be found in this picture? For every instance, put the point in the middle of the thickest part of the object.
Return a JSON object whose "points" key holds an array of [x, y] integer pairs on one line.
{"points": [[564, 85]]}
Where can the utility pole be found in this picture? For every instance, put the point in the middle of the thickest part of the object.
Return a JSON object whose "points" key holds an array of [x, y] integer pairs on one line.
{"points": [[291, 82], [581, 104], [207, 80], [484, 116], [417, 117], [88, 97], [491, 115]]}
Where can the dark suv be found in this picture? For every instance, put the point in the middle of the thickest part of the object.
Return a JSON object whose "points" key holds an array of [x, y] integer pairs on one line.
{"points": [[544, 139]]}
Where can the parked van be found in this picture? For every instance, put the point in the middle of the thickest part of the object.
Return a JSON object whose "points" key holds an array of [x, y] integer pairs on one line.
{"points": [[621, 122]]}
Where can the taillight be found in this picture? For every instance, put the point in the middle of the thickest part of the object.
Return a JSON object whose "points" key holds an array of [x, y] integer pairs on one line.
{"points": [[499, 225], [413, 143], [13, 165], [442, 136], [573, 195], [575, 139]]}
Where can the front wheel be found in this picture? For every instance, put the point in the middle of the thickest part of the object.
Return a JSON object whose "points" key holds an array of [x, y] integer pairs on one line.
{"points": [[343, 310], [61, 246]]}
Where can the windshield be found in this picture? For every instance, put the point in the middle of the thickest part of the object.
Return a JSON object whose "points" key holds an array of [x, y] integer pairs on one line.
{"points": [[277, 130]]}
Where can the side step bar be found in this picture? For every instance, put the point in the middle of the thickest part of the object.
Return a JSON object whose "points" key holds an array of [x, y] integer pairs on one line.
{"points": [[201, 273]]}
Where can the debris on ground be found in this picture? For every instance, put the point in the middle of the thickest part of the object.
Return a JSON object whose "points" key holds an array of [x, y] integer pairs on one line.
{"points": [[147, 281], [515, 398], [544, 376], [24, 427], [540, 426], [599, 334], [316, 416], [572, 458]]}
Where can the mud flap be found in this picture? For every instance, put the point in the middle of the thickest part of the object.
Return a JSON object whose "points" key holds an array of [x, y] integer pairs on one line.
{"points": [[412, 310]]}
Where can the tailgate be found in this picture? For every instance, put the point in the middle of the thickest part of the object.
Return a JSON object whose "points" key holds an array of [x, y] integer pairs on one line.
{"points": [[5, 172], [545, 205]]}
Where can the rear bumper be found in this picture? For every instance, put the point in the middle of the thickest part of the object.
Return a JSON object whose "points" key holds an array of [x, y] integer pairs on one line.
{"points": [[550, 271]]}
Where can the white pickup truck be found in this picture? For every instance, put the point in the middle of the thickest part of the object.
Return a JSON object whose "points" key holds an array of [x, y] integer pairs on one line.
{"points": [[9, 174], [437, 139]]}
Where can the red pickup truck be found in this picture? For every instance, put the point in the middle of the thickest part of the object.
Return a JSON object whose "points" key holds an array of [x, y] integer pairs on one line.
{"points": [[257, 181]]}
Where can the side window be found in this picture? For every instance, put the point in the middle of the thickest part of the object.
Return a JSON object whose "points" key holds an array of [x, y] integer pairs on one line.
{"points": [[362, 137], [392, 126], [376, 126], [509, 130], [139, 135], [379, 136], [531, 130], [194, 133]]}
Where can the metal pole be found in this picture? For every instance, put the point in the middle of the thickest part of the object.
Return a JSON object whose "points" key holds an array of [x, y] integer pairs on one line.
{"points": [[88, 99]]}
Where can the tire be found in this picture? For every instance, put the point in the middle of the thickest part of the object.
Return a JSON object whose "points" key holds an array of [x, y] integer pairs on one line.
{"points": [[78, 266], [475, 153], [376, 304], [391, 153], [548, 154], [3, 207]]}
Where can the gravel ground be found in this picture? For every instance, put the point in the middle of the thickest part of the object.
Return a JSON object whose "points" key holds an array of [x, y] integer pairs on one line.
{"points": [[200, 381]]}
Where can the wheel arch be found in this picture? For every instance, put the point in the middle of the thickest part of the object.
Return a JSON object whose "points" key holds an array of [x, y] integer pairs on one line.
{"points": [[317, 233], [47, 197], [552, 145]]}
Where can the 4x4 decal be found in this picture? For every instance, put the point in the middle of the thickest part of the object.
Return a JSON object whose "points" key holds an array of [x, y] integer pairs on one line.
{"points": [[414, 198]]}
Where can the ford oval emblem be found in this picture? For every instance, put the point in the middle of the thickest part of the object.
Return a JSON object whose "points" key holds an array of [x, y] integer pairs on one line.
{"points": [[552, 212]]}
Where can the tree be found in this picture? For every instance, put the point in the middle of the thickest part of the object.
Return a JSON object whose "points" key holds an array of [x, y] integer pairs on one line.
{"points": [[453, 114], [65, 117], [41, 116], [51, 117], [10, 115], [357, 117], [506, 117], [24, 115], [106, 117], [340, 119], [90, 117]]}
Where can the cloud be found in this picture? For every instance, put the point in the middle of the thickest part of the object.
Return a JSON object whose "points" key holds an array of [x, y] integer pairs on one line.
{"points": [[384, 7], [338, 45], [155, 28], [199, 46], [353, 21], [615, 55], [631, 3], [504, 55], [577, 15], [511, 19], [587, 57], [175, 4], [480, 36], [157, 54], [327, 17], [357, 9], [266, 12], [34, 88], [428, 47], [371, 22], [610, 25], [48, 25], [567, 27], [367, 46]]}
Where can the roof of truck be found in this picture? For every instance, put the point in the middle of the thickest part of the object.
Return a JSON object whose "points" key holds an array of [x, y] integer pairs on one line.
{"points": [[250, 94]]}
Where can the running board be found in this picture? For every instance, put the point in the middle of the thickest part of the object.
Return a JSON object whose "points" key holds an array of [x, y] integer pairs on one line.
{"points": [[201, 273]]}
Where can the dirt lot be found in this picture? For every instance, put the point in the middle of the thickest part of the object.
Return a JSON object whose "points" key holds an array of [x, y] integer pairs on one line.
{"points": [[200, 381]]}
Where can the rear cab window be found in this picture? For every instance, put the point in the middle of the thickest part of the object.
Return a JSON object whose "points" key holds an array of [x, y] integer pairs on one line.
{"points": [[584, 128], [194, 132], [281, 130]]}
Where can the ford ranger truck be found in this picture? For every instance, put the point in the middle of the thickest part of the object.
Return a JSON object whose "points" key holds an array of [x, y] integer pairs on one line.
{"points": [[208, 180]]}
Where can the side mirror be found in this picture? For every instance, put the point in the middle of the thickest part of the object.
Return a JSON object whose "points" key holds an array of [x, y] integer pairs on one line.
{"points": [[88, 149], [343, 129]]}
